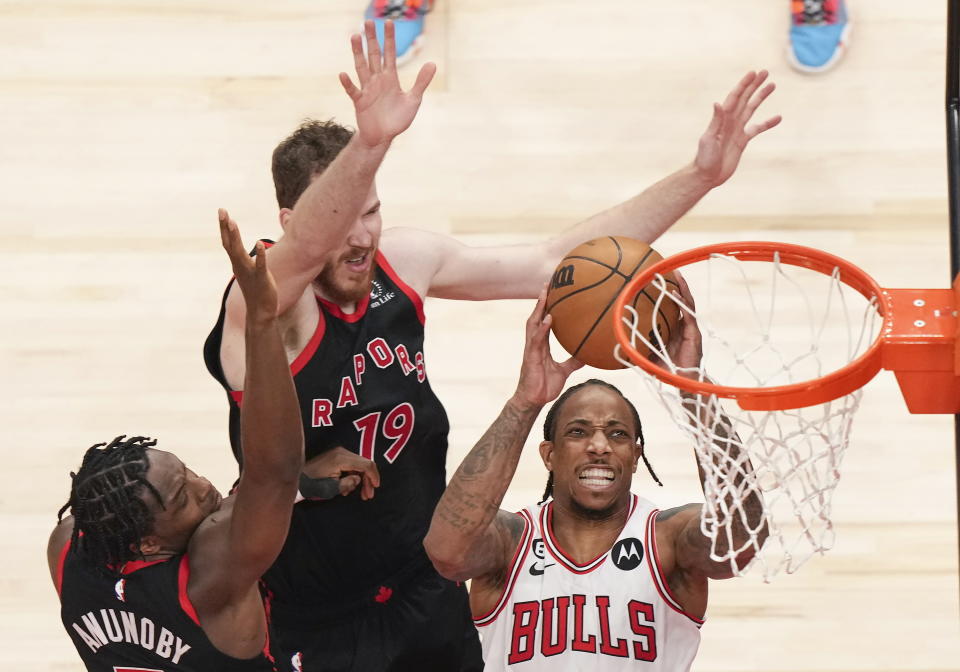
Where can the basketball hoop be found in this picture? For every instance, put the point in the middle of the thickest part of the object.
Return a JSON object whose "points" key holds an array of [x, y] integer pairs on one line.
{"points": [[819, 329]]}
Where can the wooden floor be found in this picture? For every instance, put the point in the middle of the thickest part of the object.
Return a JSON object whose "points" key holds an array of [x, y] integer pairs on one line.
{"points": [[126, 123]]}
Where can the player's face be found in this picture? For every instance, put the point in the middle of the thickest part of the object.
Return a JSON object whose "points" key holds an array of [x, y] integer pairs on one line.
{"points": [[348, 276], [187, 499], [594, 453]]}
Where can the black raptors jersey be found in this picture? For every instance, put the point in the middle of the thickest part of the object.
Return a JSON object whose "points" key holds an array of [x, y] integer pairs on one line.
{"points": [[362, 385], [142, 621]]}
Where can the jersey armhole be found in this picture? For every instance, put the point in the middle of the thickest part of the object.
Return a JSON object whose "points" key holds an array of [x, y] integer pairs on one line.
{"points": [[60, 564], [415, 298], [659, 580], [519, 557], [183, 578]]}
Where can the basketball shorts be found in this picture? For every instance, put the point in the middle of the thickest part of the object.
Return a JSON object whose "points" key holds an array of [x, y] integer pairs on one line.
{"points": [[423, 624]]}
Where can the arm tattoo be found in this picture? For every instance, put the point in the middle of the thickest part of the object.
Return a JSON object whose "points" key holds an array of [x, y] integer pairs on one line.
{"points": [[746, 510], [466, 515]]}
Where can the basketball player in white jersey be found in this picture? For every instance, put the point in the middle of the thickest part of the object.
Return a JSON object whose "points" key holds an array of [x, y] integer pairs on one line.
{"points": [[594, 578]]}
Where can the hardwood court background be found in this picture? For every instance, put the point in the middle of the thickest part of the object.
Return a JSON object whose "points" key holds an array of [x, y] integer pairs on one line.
{"points": [[126, 123]]}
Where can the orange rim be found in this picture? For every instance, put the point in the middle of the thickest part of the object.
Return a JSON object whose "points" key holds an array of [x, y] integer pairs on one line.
{"points": [[836, 384]]}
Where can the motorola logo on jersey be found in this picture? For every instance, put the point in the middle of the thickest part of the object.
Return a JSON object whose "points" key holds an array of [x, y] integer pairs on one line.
{"points": [[627, 554]]}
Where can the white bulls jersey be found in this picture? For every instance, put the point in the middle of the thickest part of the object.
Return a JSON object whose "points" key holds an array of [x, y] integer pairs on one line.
{"points": [[613, 613]]}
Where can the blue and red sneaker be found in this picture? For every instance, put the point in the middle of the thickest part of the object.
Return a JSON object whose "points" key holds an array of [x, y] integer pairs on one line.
{"points": [[407, 16], [819, 34]]}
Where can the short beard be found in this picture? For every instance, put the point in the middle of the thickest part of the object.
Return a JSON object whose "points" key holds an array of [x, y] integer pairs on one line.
{"points": [[339, 295]]}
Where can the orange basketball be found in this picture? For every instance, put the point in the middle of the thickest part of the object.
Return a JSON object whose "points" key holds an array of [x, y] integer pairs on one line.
{"points": [[584, 288]]}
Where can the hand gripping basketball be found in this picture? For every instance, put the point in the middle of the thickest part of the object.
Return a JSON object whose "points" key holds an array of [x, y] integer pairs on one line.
{"points": [[541, 377]]}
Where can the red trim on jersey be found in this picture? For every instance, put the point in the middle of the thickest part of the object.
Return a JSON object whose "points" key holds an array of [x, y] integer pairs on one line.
{"points": [[546, 522], [301, 361], [656, 573], [60, 563], [338, 313], [183, 578], [312, 345], [516, 566], [133, 565], [407, 289]]}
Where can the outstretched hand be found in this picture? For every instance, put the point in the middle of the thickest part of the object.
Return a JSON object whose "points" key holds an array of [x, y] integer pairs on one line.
{"points": [[722, 145], [541, 377], [383, 109], [256, 282]]}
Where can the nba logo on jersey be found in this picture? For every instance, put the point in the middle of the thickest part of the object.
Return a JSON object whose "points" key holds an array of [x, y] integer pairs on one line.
{"points": [[296, 662], [118, 590]]}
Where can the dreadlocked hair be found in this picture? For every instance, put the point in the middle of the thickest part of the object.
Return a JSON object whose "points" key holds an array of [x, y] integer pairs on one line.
{"points": [[549, 426], [105, 500]]}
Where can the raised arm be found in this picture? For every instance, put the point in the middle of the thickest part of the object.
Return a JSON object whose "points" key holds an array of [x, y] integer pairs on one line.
{"points": [[469, 535], [230, 554], [688, 549], [518, 271], [322, 217]]}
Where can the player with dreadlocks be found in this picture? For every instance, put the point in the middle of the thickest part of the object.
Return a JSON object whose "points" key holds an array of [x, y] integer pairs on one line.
{"points": [[550, 426], [593, 576], [154, 569]]}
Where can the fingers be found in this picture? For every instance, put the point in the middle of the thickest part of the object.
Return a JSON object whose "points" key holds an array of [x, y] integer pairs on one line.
{"points": [[759, 98], [374, 60], [261, 258], [685, 294], [716, 121], [226, 227], [569, 366], [537, 316], [730, 103], [349, 87], [359, 61], [371, 479], [232, 243], [424, 77], [348, 484], [757, 129], [748, 92], [389, 46]]}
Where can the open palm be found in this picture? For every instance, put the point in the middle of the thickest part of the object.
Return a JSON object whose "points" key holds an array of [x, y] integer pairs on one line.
{"points": [[722, 144], [383, 109]]}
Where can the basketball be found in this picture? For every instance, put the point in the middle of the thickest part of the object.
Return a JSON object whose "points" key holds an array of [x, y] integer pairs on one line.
{"points": [[586, 284]]}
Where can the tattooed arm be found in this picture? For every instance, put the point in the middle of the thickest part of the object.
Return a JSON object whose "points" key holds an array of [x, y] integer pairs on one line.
{"points": [[469, 535], [686, 551]]}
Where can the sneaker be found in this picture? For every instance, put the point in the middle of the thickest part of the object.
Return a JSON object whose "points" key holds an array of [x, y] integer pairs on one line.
{"points": [[818, 34], [407, 16]]}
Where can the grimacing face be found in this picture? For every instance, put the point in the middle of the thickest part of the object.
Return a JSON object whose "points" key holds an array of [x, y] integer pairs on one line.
{"points": [[593, 454], [187, 500]]}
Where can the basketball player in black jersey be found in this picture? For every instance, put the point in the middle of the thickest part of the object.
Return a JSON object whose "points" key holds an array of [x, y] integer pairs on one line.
{"points": [[154, 569], [352, 588]]}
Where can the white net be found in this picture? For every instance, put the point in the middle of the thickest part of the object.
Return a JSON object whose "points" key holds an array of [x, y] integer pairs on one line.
{"points": [[768, 476]]}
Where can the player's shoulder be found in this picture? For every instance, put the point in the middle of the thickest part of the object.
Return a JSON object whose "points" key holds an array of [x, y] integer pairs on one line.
{"points": [[56, 544]]}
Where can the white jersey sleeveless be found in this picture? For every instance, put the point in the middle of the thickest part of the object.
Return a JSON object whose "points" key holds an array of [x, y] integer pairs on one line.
{"points": [[613, 613]]}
